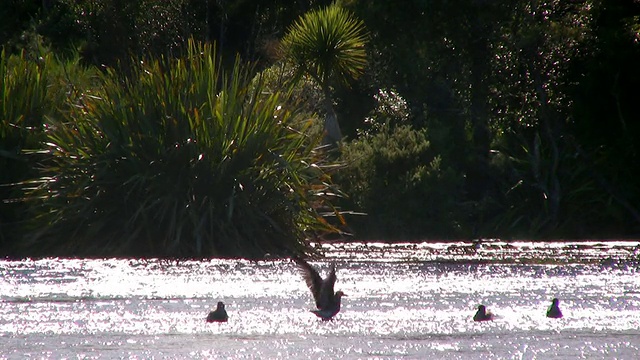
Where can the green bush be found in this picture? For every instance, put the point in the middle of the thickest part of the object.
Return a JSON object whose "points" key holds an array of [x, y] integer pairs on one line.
{"points": [[34, 86], [304, 91], [23, 103], [179, 159], [395, 177]]}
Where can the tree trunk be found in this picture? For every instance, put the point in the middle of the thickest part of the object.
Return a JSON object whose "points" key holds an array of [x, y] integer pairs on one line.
{"points": [[332, 134]]}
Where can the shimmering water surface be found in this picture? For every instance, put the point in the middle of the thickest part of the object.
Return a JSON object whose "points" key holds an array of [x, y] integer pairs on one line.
{"points": [[409, 301]]}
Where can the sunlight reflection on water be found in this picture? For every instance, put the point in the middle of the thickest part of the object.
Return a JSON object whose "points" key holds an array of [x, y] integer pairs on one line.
{"points": [[404, 301]]}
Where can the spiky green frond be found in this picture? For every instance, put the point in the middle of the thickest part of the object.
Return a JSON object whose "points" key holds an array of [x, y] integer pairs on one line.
{"points": [[180, 159], [328, 43]]}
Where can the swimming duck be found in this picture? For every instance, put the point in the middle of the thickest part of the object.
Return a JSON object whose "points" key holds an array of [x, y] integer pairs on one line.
{"points": [[482, 314], [327, 302], [219, 314], [554, 310]]}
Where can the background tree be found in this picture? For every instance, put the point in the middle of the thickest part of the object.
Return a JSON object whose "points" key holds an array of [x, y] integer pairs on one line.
{"points": [[606, 126]]}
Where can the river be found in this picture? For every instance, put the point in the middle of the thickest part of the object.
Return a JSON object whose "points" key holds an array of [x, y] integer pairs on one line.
{"points": [[404, 301]]}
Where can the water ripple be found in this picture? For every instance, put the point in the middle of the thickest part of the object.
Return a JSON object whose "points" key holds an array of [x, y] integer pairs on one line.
{"points": [[403, 301]]}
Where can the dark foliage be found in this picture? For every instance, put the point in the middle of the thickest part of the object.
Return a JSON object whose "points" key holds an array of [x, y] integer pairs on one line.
{"points": [[501, 118]]}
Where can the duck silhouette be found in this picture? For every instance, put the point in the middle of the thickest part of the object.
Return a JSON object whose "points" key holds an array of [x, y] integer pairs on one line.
{"points": [[554, 309], [219, 314], [327, 302], [482, 314]]}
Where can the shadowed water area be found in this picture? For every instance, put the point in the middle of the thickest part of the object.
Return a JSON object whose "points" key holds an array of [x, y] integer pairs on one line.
{"points": [[409, 301]]}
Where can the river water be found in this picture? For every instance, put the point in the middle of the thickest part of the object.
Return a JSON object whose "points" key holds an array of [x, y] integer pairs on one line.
{"points": [[405, 301]]}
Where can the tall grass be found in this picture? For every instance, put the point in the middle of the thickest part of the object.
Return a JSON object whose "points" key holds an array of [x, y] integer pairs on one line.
{"points": [[23, 104], [35, 86], [179, 159]]}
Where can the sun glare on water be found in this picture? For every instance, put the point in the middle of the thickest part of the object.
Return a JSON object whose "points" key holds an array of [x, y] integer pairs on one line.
{"points": [[402, 301]]}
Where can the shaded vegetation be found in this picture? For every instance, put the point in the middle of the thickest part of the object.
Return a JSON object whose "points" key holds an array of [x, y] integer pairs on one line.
{"points": [[180, 158], [495, 86], [458, 119]]}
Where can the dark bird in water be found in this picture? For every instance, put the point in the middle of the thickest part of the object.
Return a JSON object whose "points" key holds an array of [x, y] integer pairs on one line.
{"points": [[554, 310], [327, 302], [219, 314], [482, 314]]}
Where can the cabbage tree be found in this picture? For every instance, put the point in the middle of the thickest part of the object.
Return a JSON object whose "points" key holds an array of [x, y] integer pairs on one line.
{"points": [[327, 44]]}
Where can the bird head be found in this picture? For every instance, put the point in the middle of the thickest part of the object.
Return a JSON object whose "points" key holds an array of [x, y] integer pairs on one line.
{"points": [[555, 301], [339, 294], [220, 305]]}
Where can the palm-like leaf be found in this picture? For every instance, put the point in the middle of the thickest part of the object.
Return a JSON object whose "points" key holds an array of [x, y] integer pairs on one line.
{"points": [[327, 43]]}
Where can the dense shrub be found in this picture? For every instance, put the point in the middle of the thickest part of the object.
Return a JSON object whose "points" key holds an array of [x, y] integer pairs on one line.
{"points": [[23, 104], [396, 179], [179, 159], [34, 86]]}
